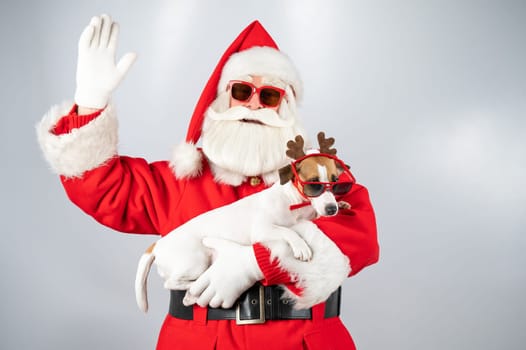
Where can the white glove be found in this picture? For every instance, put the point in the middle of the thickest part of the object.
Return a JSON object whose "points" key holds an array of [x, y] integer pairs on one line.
{"points": [[234, 270], [97, 74]]}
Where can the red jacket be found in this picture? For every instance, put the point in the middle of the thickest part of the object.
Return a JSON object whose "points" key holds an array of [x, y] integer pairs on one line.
{"points": [[131, 195]]}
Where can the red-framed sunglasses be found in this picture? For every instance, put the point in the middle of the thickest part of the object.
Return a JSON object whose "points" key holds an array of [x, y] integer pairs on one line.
{"points": [[269, 96], [313, 189]]}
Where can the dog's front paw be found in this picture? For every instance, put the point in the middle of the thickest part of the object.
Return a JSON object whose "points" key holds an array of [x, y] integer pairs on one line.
{"points": [[301, 250], [344, 205]]}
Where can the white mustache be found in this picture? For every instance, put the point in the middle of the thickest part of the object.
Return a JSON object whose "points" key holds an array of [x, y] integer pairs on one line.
{"points": [[264, 115]]}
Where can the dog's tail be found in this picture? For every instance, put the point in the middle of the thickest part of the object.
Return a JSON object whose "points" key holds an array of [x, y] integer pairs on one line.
{"points": [[141, 278]]}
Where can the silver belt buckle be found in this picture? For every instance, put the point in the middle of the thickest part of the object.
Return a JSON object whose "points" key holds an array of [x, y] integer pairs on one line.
{"points": [[261, 318]]}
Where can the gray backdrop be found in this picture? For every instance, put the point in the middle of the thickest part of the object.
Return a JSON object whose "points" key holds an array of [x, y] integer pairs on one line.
{"points": [[426, 100]]}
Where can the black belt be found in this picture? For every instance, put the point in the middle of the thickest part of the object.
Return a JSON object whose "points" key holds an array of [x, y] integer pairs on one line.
{"points": [[256, 305]]}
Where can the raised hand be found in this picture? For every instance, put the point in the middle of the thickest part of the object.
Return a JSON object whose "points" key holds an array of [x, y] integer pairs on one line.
{"points": [[97, 73]]}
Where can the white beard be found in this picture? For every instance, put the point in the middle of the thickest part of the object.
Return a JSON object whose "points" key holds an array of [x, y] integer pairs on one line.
{"points": [[243, 149]]}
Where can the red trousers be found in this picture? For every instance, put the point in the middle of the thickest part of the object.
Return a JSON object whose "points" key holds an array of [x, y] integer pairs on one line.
{"points": [[320, 333]]}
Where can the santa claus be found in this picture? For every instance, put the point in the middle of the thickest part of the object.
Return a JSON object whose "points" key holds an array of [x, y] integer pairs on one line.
{"points": [[244, 118]]}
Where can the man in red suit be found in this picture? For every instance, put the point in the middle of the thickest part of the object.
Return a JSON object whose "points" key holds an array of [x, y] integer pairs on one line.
{"points": [[244, 118]]}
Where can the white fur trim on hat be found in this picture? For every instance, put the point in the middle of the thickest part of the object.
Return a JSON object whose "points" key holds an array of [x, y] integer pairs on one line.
{"points": [[187, 160], [264, 61], [82, 149]]}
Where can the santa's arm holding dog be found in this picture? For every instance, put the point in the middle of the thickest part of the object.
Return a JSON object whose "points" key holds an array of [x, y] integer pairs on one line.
{"points": [[244, 130]]}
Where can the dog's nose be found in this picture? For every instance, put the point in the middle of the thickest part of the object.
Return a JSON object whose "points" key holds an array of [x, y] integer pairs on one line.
{"points": [[331, 209]]}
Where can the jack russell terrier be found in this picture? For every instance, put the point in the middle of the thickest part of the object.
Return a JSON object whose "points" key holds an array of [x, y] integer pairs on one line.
{"points": [[307, 189]]}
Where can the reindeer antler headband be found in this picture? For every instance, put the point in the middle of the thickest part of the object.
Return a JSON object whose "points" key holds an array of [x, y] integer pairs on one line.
{"points": [[325, 144], [310, 189], [295, 147]]}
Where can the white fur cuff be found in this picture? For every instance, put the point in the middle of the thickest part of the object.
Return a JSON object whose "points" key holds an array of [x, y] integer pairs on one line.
{"points": [[82, 149], [320, 276]]}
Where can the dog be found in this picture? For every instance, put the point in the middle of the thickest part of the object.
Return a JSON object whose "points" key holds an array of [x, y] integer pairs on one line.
{"points": [[266, 215]]}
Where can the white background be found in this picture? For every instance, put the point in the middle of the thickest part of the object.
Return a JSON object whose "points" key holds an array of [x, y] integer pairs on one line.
{"points": [[426, 100]]}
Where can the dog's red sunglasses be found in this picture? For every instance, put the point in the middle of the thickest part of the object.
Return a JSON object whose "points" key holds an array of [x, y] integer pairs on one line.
{"points": [[313, 189], [269, 96]]}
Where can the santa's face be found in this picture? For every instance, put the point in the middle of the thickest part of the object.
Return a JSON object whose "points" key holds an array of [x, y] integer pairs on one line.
{"points": [[246, 137]]}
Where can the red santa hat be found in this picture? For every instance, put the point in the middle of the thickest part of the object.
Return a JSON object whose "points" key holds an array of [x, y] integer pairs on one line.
{"points": [[253, 52]]}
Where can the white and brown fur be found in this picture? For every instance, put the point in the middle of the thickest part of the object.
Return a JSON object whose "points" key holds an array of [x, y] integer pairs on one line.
{"points": [[262, 217]]}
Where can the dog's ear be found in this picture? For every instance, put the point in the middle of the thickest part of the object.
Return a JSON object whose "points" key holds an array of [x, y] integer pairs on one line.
{"points": [[340, 168], [285, 174]]}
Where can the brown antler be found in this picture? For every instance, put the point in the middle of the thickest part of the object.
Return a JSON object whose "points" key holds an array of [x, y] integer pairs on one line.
{"points": [[295, 148], [325, 144]]}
